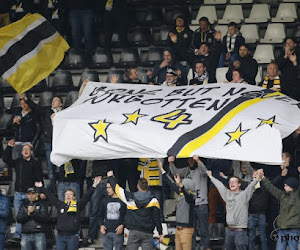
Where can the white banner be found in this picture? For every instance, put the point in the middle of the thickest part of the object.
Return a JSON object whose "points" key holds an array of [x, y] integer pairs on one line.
{"points": [[228, 121]]}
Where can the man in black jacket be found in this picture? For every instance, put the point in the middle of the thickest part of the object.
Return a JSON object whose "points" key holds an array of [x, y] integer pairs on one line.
{"points": [[33, 215], [288, 64], [28, 170], [245, 64], [45, 117], [142, 216]]}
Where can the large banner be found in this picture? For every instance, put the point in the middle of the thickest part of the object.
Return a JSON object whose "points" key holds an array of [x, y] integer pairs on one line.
{"points": [[228, 121]]}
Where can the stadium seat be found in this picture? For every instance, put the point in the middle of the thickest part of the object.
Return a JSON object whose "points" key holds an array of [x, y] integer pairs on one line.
{"points": [[71, 97], [233, 13], [62, 81], [194, 27], [5, 87], [140, 37], [160, 35], [260, 13], [264, 53], [5, 122], [15, 105], [74, 59], [286, 13], [143, 75], [275, 33], [222, 28], [46, 99], [221, 74], [258, 77], [115, 40], [154, 56], [154, 16], [88, 74], [214, 2], [40, 87], [119, 73], [101, 59], [129, 58], [250, 33], [173, 12], [241, 1], [206, 11]]}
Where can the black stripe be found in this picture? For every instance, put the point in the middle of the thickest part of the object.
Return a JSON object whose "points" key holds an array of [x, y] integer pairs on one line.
{"points": [[25, 45], [199, 131]]}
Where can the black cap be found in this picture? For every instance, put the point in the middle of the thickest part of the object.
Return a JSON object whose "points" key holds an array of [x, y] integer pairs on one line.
{"points": [[31, 190]]}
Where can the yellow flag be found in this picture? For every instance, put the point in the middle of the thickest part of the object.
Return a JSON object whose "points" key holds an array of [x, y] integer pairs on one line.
{"points": [[30, 49]]}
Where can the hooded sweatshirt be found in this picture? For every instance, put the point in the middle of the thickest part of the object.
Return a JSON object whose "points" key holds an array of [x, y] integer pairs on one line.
{"points": [[143, 210]]}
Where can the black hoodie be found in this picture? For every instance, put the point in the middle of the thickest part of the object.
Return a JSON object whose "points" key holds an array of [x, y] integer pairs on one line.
{"points": [[143, 211]]}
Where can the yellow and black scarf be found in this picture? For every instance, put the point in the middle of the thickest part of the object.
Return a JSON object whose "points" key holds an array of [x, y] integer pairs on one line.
{"points": [[72, 206], [276, 82]]}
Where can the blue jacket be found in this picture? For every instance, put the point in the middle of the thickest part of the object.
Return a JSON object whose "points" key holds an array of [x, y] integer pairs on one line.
{"points": [[5, 209]]}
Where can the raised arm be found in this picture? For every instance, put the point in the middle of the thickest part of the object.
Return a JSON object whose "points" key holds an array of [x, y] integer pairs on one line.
{"points": [[219, 185], [277, 193]]}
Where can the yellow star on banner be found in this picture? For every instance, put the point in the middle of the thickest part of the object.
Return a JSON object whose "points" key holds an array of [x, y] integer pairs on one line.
{"points": [[100, 129], [270, 121], [133, 118], [236, 135]]}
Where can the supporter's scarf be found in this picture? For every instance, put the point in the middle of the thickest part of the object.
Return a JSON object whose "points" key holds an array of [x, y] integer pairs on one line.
{"points": [[179, 29], [276, 82], [55, 110], [109, 5], [72, 206], [69, 169], [203, 78], [230, 44]]}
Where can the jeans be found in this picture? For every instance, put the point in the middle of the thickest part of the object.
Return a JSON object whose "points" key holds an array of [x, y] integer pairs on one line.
{"points": [[63, 186], [111, 239], [2, 241], [95, 203], [68, 242], [183, 238], [222, 59], [138, 239], [50, 166], [19, 198], [33, 241], [81, 22], [236, 240], [257, 221], [288, 237], [201, 215]]}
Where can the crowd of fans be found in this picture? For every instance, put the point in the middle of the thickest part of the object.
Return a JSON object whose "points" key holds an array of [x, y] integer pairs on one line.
{"points": [[251, 196]]}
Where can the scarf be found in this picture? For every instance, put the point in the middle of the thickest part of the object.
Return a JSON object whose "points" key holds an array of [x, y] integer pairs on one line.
{"points": [[55, 110], [72, 206], [179, 29], [230, 42], [203, 79], [109, 5], [276, 82], [69, 169]]}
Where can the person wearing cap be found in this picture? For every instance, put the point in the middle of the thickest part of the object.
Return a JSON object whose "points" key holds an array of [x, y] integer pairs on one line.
{"points": [[184, 208], [171, 78], [28, 170], [289, 213], [33, 215], [237, 205]]}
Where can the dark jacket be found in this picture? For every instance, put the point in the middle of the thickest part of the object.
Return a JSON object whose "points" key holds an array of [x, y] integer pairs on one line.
{"points": [[36, 222], [290, 76], [5, 210], [29, 129], [64, 176], [248, 69], [259, 201], [184, 39], [27, 172], [46, 123], [68, 223], [203, 37], [289, 213], [112, 213], [239, 40], [143, 211]]}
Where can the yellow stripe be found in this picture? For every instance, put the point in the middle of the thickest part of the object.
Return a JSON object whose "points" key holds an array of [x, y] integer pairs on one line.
{"points": [[132, 207], [190, 147], [13, 30], [40, 66], [154, 182], [153, 204]]}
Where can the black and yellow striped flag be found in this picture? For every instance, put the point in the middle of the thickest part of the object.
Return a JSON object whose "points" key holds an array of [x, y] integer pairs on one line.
{"points": [[30, 49]]}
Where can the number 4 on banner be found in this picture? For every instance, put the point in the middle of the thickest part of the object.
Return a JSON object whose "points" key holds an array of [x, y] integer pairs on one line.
{"points": [[173, 119]]}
